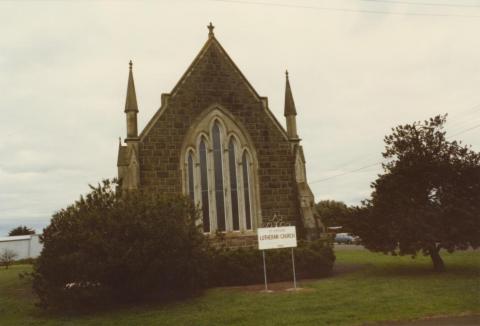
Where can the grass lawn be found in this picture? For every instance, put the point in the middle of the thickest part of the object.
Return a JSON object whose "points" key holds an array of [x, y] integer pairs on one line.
{"points": [[384, 288]]}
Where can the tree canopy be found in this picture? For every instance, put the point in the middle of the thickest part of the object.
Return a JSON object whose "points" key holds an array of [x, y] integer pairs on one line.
{"points": [[333, 213], [21, 230], [428, 197]]}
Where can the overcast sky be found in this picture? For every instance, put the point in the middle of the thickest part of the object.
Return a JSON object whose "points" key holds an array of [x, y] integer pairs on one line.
{"points": [[357, 68]]}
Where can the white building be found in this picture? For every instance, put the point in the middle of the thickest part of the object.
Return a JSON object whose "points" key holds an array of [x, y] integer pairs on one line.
{"points": [[25, 246]]}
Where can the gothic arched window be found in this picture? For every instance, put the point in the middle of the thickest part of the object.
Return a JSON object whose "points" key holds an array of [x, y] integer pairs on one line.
{"points": [[204, 186], [191, 181], [232, 166], [219, 175], [246, 190]]}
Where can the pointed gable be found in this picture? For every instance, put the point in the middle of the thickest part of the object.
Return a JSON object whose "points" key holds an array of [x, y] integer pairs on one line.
{"points": [[212, 74], [214, 54]]}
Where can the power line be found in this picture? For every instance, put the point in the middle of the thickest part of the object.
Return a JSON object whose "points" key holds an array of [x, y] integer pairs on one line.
{"points": [[430, 4], [461, 125], [468, 111], [358, 159], [464, 131], [347, 172], [456, 116], [366, 11], [376, 164]]}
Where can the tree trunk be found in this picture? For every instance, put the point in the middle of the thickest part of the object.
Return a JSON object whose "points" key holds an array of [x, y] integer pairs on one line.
{"points": [[438, 264]]}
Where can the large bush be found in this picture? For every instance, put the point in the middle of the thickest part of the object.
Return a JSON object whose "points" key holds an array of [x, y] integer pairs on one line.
{"points": [[245, 265], [107, 248]]}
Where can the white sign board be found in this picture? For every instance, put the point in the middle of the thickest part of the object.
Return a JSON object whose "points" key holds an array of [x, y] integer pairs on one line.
{"points": [[275, 238]]}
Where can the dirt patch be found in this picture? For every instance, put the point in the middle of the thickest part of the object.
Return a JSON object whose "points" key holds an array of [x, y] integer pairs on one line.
{"points": [[338, 269], [275, 287]]}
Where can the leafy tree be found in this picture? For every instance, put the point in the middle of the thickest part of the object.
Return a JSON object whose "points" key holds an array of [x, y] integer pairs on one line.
{"points": [[428, 198], [7, 257], [333, 213], [21, 230], [108, 247]]}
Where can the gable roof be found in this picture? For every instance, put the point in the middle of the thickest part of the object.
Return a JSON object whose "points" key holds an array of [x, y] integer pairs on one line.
{"points": [[211, 42]]}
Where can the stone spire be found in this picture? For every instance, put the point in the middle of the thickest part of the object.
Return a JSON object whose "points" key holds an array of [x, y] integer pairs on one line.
{"points": [[131, 102], [131, 107], [290, 112], [289, 103]]}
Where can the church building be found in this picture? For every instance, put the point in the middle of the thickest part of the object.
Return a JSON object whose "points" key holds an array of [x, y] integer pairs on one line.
{"points": [[215, 140]]}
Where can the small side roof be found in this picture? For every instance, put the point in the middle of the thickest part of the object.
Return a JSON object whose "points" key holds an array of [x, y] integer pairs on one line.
{"points": [[17, 237], [122, 159]]}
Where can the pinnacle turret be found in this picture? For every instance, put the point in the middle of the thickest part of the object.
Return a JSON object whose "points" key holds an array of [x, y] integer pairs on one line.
{"points": [[289, 103], [131, 101], [131, 107], [290, 112]]}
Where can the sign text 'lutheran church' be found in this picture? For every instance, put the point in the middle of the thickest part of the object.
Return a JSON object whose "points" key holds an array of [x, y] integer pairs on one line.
{"points": [[277, 237]]}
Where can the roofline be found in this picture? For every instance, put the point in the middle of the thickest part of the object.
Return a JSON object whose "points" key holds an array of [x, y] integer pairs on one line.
{"points": [[17, 237]]}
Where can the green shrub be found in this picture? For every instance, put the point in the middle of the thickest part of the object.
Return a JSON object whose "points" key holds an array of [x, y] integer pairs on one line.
{"points": [[108, 248], [245, 265]]}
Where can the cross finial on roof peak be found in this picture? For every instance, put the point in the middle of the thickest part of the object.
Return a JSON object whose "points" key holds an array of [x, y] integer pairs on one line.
{"points": [[210, 29]]}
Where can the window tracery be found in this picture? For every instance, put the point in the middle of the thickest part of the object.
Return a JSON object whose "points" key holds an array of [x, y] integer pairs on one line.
{"points": [[219, 175]]}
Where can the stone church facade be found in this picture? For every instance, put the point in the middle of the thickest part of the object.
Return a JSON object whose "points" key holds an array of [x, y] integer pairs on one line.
{"points": [[215, 140]]}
